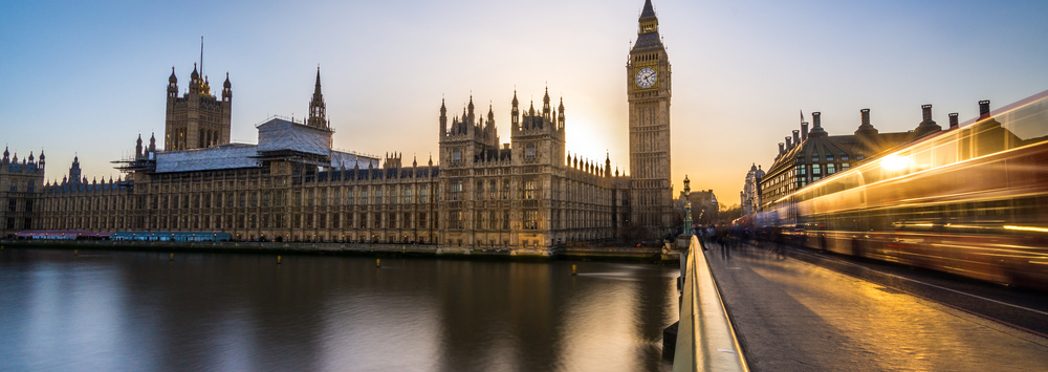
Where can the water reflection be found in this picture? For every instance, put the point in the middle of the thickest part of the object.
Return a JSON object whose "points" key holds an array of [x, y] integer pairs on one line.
{"points": [[139, 311]]}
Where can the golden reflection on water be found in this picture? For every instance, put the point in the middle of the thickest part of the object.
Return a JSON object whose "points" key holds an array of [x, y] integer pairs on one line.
{"points": [[140, 311], [603, 333]]}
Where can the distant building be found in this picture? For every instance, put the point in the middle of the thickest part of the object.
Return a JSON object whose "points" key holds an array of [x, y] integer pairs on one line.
{"points": [[705, 209], [21, 184], [750, 196], [198, 119], [807, 157], [526, 196]]}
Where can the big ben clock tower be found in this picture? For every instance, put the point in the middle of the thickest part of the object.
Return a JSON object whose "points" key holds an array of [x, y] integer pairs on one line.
{"points": [[648, 88]]}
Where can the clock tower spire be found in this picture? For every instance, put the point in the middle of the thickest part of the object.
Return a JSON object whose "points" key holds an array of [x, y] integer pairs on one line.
{"points": [[648, 91]]}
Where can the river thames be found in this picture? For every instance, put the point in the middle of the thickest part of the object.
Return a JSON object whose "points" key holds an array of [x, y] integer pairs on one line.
{"points": [[110, 311]]}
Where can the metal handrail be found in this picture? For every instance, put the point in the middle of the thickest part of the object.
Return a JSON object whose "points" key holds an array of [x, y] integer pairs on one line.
{"points": [[706, 339]]}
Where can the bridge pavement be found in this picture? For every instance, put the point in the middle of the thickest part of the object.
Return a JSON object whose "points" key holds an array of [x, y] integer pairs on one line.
{"points": [[791, 315]]}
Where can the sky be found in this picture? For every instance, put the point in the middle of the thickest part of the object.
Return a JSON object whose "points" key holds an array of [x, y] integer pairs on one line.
{"points": [[85, 78]]}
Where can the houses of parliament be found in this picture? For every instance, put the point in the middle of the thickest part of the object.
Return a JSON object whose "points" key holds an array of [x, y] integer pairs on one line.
{"points": [[526, 196]]}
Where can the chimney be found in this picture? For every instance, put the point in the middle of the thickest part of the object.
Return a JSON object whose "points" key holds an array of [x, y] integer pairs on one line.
{"points": [[797, 137], [804, 130], [953, 120], [927, 125], [865, 128], [789, 143], [984, 109], [781, 149], [816, 130]]}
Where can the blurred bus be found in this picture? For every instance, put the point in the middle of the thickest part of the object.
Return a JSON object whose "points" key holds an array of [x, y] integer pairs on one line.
{"points": [[971, 201]]}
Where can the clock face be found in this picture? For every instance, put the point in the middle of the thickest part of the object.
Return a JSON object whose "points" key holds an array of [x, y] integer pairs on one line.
{"points": [[646, 77]]}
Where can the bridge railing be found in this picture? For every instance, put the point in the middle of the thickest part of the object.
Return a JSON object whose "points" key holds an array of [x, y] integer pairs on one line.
{"points": [[705, 338]]}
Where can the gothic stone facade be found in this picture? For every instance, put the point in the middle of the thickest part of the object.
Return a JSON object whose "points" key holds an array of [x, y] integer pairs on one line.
{"points": [[198, 119], [526, 196], [649, 89], [20, 186]]}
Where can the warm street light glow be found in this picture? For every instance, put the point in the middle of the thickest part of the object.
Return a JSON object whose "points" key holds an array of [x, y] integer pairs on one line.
{"points": [[895, 162], [1026, 228]]}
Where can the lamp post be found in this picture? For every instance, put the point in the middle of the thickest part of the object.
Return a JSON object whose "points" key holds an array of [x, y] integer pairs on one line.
{"points": [[687, 206]]}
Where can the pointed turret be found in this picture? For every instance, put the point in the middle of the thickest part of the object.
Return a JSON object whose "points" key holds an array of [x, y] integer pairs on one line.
{"points": [[74, 170], [172, 84], [317, 108], [152, 142], [194, 80], [138, 146], [443, 118], [514, 112], [490, 131], [227, 90], [545, 106], [7, 154], [560, 114], [470, 118]]}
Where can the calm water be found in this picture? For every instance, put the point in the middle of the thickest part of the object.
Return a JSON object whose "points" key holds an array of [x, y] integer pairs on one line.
{"points": [[107, 311]]}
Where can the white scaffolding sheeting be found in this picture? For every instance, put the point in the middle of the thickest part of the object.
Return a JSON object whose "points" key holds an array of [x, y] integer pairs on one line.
{"points": [[344, 160], [279, 134], [225, 157], [274, 136]]}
